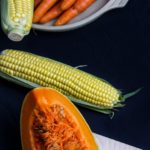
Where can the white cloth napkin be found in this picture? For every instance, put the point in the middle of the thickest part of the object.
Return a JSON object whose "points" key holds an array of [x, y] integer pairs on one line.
{"points": [[105, 143]]}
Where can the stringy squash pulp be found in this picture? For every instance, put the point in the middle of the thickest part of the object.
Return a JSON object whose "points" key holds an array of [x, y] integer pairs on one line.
{"points": [[49, 121]]}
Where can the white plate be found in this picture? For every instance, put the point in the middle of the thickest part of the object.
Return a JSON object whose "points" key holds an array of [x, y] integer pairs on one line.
{"points": [[92, 13]]}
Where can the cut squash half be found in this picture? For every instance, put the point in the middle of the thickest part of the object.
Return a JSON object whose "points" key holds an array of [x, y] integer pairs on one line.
{"points": [[50, 121]]}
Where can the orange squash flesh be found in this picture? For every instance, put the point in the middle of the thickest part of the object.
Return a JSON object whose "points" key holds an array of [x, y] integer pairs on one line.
{"points": [[49, 121]]}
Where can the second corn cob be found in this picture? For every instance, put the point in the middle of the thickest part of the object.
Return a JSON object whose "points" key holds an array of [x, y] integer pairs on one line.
{"points": [[85, 89], [16, 18]]}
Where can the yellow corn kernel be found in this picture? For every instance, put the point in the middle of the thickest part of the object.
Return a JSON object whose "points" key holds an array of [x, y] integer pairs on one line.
{"points": [[47, 72]]}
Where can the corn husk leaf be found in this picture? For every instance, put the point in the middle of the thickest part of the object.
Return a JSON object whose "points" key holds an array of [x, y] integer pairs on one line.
{"points": [[104, 110]]}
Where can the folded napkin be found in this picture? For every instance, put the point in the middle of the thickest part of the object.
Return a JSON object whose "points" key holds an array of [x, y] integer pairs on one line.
{"points": [[105, 143]]}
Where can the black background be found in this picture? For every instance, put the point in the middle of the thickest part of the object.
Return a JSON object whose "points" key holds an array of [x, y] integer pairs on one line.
{"points": [[116, 48]]}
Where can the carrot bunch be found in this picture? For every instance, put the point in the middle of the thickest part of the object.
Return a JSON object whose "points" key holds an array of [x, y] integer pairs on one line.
{"points": [[63, 10]]}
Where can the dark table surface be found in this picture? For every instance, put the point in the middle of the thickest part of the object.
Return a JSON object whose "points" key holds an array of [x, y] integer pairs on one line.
{"points": [[116, 48]]}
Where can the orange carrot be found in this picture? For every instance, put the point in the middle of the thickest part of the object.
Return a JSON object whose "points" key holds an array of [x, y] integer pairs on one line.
{"points": [[52, 13], [65, 4], [76, 9], [82, 5], [36, 3], [66, 16], [57, 10], [44, 6]]}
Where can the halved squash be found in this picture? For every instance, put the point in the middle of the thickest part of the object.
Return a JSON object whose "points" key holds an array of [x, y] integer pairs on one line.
{"points": [[49, 121]]}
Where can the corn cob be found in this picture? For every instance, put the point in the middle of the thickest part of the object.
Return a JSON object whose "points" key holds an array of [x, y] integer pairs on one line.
{"points": [[81, 87], [16, 18]]}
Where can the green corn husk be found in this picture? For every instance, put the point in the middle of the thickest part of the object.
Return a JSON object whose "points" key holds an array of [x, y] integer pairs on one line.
{"points": [[16, 18]]}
